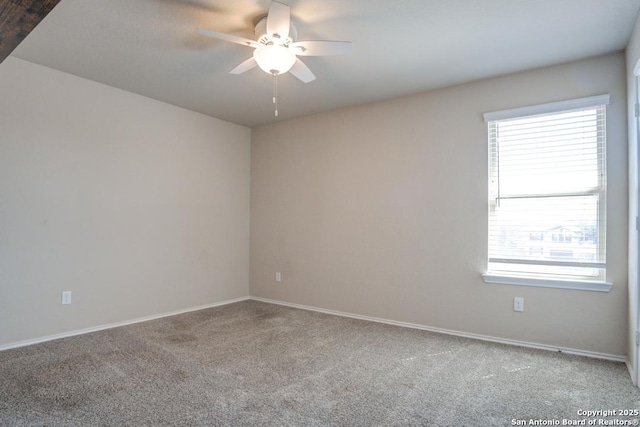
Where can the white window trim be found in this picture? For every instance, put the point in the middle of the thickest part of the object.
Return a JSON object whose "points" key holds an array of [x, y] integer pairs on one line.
{"points": [[579, 285], [572, 284], [552, 107]]}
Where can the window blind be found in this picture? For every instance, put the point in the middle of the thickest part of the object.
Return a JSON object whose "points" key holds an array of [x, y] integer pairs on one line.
{"points": [[547, 192]]}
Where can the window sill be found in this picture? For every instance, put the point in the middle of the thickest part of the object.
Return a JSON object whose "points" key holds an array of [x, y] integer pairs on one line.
{"points": [[580, 285]]}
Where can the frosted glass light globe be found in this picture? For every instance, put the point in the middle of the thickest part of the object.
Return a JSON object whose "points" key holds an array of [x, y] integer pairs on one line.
{"points": [[274, 59]]}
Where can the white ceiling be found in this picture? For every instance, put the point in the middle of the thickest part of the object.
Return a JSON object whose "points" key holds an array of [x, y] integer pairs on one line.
{"points": [[149, 47]]}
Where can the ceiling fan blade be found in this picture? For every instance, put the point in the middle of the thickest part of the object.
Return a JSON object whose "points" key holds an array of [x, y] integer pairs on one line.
{"points": [[245, 66], [228, 37], [321, 48], [278, 20], [301, 71]]}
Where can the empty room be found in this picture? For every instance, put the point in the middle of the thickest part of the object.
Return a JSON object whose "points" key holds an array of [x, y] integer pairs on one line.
{"points": [[319, 212]]}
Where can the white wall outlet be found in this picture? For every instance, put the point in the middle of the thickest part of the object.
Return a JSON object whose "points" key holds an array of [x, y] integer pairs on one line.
{"points": [[66, 297], [518, 304], [278, 276]]}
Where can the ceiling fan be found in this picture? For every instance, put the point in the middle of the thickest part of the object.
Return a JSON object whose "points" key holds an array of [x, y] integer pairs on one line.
{"points": [[276, 49]]}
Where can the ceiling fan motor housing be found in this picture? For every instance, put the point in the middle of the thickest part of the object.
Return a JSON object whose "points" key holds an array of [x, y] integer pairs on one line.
{"points": [[264, 38]]}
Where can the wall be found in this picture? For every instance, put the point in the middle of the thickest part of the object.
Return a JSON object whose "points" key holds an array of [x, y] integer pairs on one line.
{"points": [[633, 56], [381, 210], [138, 207]]}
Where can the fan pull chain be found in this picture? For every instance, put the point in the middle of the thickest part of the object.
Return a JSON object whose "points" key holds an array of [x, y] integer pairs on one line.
{"points": [[275, 92]]}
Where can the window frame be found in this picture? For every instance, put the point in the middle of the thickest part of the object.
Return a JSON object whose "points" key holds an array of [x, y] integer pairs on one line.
{"points": [[576, 282]]}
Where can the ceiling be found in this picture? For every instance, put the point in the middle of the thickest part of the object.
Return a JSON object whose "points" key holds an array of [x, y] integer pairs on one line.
{"points": [[149, 47]]}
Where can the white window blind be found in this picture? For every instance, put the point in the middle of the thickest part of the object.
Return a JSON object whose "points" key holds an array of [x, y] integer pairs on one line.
{"points": [[547, 190]]}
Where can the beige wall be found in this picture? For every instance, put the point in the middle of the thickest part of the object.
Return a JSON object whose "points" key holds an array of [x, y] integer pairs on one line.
{"points": [[381, 210], [142, 208], [138, 207]]}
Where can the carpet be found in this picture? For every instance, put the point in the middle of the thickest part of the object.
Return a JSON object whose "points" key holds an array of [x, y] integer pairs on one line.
{"points": [[253, 363]]}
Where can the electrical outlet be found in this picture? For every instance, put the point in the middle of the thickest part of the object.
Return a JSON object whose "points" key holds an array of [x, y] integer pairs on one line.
{"points": [[518, 304], [278, 276], [66, 297]]}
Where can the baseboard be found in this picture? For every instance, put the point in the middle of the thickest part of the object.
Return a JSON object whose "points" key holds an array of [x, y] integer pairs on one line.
{"points": [[631, 374], [578, 352], [574, 351], [117, 324]]}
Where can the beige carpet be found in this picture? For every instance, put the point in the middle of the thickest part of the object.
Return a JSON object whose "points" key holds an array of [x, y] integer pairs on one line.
{"points": [[252, 363]]}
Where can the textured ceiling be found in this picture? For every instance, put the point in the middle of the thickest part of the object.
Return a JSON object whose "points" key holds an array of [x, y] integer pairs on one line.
{"points": [[149, 47]]}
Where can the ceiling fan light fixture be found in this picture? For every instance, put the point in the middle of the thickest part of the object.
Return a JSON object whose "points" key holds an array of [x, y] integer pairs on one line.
{"points": [[276, 49], [274, 59]]}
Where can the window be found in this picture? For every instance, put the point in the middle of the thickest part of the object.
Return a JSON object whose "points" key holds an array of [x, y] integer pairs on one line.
{"points": [[547, 194]]}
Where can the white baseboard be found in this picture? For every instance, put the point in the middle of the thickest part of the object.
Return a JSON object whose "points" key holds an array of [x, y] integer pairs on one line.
{"points": [[115, 325], [631, 373], [592, 354]]}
